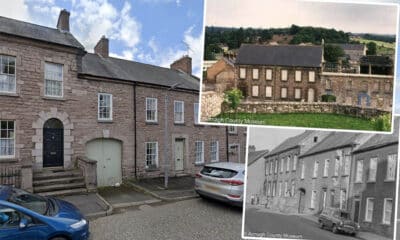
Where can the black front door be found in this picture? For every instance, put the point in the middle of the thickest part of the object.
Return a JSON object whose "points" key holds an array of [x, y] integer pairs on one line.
{"points": [[356, 211], [53, 143]]}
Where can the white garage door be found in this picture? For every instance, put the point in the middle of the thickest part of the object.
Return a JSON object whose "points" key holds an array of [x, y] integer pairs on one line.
{"points": [[107, 153]]}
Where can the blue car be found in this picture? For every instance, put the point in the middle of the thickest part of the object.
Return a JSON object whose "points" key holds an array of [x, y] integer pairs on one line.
{"points": [[28, 216]]}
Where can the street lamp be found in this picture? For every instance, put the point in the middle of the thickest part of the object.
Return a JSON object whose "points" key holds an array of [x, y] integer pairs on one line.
{"points": [[166, 133]]}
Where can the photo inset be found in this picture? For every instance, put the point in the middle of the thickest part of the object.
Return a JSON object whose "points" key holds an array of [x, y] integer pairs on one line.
{"points": [[299, 63], [320, 185]]}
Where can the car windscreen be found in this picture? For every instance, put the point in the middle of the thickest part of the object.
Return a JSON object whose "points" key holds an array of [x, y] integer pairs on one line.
{"points": [[28, 200], [218, 172]]}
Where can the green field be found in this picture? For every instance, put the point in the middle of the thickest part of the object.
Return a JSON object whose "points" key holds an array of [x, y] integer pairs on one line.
{"points": [[313, 120], [383, 48]]}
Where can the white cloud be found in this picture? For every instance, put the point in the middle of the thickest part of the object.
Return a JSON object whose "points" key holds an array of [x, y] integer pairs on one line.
{"points": [[129, 28], [18, 9]]}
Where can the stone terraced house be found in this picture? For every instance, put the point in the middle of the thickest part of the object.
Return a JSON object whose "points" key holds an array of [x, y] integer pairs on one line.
{"points": [[355, 172], [286, 74], [79, 120]]}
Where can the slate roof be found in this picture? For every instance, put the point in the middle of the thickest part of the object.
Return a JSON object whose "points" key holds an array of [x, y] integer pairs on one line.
{"points": [[333, 141], [290, 143], [37, 32], [280, 55], [114, 68], [253, 156], [349, 46], [380, 140]]}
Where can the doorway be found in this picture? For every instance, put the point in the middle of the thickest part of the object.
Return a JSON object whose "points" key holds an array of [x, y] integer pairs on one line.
{"points": [[53, 143], [179, 154]]}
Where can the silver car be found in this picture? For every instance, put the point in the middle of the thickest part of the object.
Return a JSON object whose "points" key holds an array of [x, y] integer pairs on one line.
{"points": [[222, 181]]}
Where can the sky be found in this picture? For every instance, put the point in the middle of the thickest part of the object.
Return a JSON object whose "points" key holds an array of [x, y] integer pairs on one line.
{"points": [[349, 17], [157, 32], [269, 138]]}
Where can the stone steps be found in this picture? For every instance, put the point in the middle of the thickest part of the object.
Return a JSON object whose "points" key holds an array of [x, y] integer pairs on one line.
{"points": [[58, 182]]}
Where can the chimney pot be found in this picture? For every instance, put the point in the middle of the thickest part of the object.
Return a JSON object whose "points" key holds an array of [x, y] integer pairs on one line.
{"points": [[101, 47], [63, 21], [183, 64]]}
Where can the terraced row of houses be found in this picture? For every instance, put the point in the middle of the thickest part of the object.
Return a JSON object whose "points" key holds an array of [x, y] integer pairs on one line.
{"points": [[355, 172], [72, 120]]}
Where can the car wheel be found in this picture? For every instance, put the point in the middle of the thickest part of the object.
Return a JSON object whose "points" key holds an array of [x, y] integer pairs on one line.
{"points": [[354, 234], [334, 229], [321, 225]]}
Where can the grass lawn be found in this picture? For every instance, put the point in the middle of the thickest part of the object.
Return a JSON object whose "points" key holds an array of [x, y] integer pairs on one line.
{"points": [[383, 48], [314, 120]]}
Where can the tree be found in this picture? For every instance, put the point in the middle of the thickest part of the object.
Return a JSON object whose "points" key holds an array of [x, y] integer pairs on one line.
{"points": [[332, 53], [233, 98], [371, 48]]}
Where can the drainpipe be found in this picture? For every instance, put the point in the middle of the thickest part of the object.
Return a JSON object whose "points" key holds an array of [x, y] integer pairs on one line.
{"points": [[227, 143], [134, 127]]}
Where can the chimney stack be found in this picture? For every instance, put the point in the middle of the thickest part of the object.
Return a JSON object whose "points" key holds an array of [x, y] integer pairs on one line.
{"points": [[101, 47], [252, 148], [183, 64], [63, 21]]}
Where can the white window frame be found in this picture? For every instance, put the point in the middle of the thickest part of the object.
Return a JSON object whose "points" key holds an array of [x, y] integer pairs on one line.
{"points": [[391, 172], [293, 187], [268, 74], [155, 110], [182, 103], [303, 168], [298, 76], [196, 109], [311, 76], [271, 167], [156, 153], [214, 151], [368, 218], [337, 167], [373, 167], [110, 118], [315, 170], [313, 196], [326, 167], [9, 78], [8, 138], [196, 152], [288, 164], [284, 75], [284, 92], [342, 199], [295, 160], [359, 171], [255, 91], [286, 189], [276, 166], [54, 80], [268, 91], [385, 200], [347, 165], [280, 188], [297, 93], [256, 74], [242, 73], [282, 163]]}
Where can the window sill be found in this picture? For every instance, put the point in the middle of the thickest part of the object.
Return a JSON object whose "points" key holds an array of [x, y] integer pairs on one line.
{"points": [[358, 182], [371, 181], [230, 133], [151, 123], [9, 94], [152, 169], [179, 124], [53, 98], [198, 125], [389, 180], [8, 160], [104, 121]]}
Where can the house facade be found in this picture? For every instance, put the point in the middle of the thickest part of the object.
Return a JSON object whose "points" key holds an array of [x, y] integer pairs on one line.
{"points": [[355, 172], [255, 171], [279, 73], [61, 108], [298, 73], [373, 193]]}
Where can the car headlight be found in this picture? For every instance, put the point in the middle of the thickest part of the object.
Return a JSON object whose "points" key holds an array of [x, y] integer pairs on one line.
{"points": [[79, 224], [341, 223]]}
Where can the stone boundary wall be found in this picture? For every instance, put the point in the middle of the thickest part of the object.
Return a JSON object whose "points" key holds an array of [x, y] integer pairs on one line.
{"points": [[317, 107], [211, 103]]}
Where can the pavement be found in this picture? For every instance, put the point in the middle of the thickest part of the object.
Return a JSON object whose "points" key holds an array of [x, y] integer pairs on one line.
{"points": [[291, 217], [195, 219], [92, 205], [179, 188]]}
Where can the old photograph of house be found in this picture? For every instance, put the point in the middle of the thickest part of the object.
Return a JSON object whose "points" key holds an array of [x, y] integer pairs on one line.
{"points": [[312, 64], [321, 184]]}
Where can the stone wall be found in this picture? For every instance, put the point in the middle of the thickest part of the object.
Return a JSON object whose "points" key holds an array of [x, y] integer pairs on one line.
{"points": [[317, 107], [211, 103]]}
